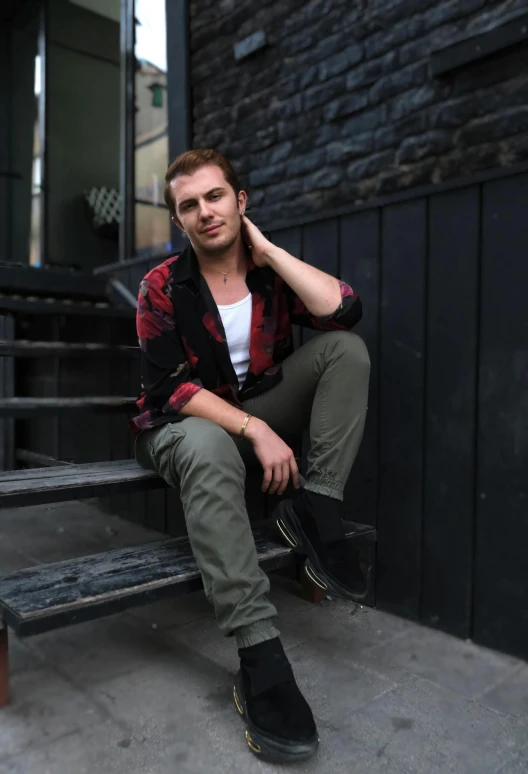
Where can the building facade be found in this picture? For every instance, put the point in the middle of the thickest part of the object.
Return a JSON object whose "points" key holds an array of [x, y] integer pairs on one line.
{"points": [[385, 141]]}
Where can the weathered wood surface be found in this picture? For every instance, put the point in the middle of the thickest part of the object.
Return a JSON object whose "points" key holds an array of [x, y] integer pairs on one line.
{"points": [[52, 282], [39, 306], [42, 598], [73, 482], [36, 407], [62, 349], [39, 460]]}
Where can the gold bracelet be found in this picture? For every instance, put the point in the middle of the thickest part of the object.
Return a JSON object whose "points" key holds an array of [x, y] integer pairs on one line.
{"points": [[244, 425]]}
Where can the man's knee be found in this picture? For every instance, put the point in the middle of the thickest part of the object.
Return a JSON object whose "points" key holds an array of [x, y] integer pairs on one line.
{"points": [[350, 347]]}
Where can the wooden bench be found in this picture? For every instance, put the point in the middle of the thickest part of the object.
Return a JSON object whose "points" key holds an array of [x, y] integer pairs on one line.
{"points": [[40, 599]]}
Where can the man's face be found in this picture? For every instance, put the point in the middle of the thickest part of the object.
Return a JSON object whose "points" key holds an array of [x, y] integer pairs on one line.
{"points": [[207, 209]]}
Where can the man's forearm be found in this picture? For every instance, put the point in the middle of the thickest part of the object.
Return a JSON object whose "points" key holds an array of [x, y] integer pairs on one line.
{"points": [[207, 405], [319, 291]]}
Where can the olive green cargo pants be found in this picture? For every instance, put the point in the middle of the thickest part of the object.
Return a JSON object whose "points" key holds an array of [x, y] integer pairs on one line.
{"points": [[325, 388]]}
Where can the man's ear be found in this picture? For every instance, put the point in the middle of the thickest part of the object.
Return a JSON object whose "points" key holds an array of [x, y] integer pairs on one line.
{"points": [[242, 201], [177, 222]]}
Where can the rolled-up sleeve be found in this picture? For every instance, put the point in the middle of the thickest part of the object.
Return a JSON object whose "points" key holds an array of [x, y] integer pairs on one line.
{"points": [[347, 314], [166, 361]]}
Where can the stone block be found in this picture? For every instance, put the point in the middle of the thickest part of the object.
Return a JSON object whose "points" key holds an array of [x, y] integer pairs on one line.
{"points": [[349, 148], [365, 122], [412, 100], [444, 12], [286, 108], [370, 166], [341, 62], [319, 95], [346, 105], [394, 133], [307, 163], [398, 82], [279, 152], [324, 178], [454, 113], [495, 127], [266, 175], [429, 144]]}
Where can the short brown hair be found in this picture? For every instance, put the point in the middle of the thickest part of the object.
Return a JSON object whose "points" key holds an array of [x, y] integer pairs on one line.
{"points": [[192, 160]]}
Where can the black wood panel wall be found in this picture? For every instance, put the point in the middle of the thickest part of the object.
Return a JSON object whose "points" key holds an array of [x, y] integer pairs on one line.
{"points": [[443, 467], [500, 606]]}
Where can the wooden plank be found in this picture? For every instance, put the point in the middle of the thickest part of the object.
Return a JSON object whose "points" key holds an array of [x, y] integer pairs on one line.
{"points": [[501, 575], [39, 599], [62, 349], [29, 407], [359, 266], [320, 248], [9, 391], [290, 239], [450, 410], [3, 463], [74, 482], [137, 505], [39, 460], [62, 308], [119, 430], [52, 282], [401, 407]]}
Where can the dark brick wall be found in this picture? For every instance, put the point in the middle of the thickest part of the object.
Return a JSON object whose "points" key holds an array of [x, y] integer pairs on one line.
{"points": [[340, 106]]}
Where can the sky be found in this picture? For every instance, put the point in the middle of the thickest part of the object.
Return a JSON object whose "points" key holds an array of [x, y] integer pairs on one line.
{"points": [[151, 43]]}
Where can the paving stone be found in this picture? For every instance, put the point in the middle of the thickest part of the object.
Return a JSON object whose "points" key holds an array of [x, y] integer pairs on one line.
{"points": [[518, 766], [174, 612], [350, 627], [96, 651], [22, 657], [419, 723], [101, 748], [186, 701], [510, 695], [461, 666], [44, 706], [10, 559], [333, 685]]}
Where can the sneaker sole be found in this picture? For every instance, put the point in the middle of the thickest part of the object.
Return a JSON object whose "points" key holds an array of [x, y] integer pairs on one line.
{"points": [[268, 748], [292, 533]]}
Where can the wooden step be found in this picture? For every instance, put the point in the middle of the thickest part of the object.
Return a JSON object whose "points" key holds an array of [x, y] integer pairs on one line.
{"points": [[42, 598], [74, 482], [52, 282], [32, 305], [62, 349], [25, 408]]}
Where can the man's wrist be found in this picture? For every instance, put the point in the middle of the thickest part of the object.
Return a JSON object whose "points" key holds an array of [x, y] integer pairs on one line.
{"points": [[252, 428]]}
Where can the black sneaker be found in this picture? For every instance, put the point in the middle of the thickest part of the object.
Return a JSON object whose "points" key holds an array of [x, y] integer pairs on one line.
{"points": [[331, 563], [280, 724]]}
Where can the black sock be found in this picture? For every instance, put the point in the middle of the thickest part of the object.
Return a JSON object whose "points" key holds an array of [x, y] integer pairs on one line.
{"points": [[265, 664], [320, 516]]}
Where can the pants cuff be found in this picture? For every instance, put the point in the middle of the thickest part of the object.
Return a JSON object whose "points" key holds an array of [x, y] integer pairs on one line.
{"points": [[260, 631], [325, 485]]}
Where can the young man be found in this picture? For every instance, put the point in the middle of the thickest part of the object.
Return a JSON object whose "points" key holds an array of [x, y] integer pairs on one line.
{"points": [[221, 386]]}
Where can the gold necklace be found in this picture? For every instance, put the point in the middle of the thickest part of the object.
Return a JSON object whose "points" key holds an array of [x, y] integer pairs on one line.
{"points": [[225, 273]]}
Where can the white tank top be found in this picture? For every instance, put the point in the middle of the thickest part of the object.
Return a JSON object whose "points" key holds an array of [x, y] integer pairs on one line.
{"points": [[237, 325]]}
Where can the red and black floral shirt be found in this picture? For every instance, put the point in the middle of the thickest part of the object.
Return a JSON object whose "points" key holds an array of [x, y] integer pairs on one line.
{"points": [[183, 343]]}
